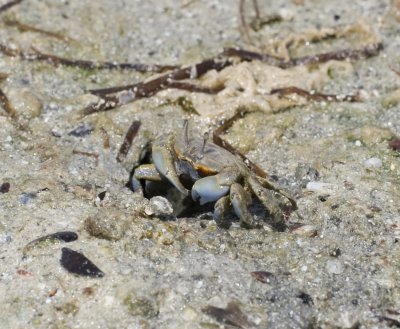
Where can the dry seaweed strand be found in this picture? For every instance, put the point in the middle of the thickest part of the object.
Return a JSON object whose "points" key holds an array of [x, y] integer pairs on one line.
{"points": [[284, 47], [9, 5], [147, 89], [367, 51], [129, 93], [171, 84], [314, 96], [37, 55], [129, 136], [28, 28]]}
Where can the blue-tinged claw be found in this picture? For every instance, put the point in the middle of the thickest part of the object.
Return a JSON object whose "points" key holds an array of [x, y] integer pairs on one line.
{"points": [[164, 164], [208, 189]]}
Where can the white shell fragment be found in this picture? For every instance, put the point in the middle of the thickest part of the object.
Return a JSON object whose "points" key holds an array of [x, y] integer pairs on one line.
{"points": [[159, 206], [305, 230], [320, 187]]}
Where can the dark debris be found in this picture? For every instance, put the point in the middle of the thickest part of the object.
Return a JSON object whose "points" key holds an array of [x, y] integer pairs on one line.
{"points": [[76, 263], [306, 298], [395, 144], [65, 236], [5, 187], [231, 315], [129, 136], [263, 276]]}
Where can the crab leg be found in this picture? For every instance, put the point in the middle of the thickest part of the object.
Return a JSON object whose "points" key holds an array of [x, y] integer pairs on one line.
{"points": [[147, 172], [267, 199], [221, 209], [271, 186], [240, 201]]}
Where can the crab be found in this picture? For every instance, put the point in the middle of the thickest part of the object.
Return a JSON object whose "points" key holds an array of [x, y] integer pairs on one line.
{"points": [[217, 176]]}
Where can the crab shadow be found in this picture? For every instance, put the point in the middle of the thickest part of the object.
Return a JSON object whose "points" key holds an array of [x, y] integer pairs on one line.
{"points": [[185, 207]]}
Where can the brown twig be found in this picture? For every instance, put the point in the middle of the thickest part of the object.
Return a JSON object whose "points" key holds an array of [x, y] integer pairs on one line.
{"points": [[339, 55], [126, 144], [217, 139], [9, 5], [150, 88], [315, 96]]}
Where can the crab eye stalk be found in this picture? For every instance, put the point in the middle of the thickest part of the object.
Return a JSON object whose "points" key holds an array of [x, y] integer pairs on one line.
{"points": [[205, 138], [186, 130]]}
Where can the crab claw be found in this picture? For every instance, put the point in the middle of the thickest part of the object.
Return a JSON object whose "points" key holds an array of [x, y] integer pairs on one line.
{"points": [[209, 189], [164, 163]]}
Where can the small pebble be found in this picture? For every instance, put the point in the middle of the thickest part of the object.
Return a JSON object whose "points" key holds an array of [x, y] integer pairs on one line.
{"points": [[373, 163], [5, 238], [106, 225], [82, 130], [26, 104], [26, 198], [159, 206], [334, 266]]}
